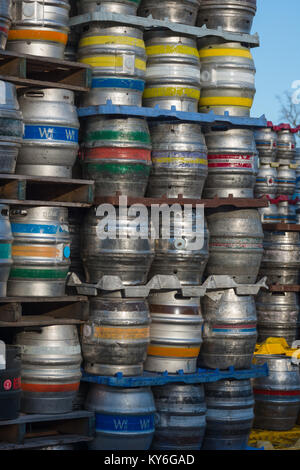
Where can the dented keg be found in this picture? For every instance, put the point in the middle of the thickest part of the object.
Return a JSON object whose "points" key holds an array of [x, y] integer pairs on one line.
{"points": [[50, 374], [278, 315], [236, 244], [229, 330], [180, 417], [129, 258], [6, 239], [11, 127], [5, 21], [175, 333], [124, 417], [118, 59], [117, 155], [181, 246], [179, 160], [229, 414], [40, 251], [173, 71], [116, 336], [176, 11], [281, 259], [231, 15], [232, 163], [50, 142], [227, 79], [123, 7], [39, 27], [277, 396], [266, 143]]}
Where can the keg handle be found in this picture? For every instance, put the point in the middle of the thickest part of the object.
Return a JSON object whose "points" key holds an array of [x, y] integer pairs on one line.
{"points": [[37, 329], [19, 212], [34, 94]]}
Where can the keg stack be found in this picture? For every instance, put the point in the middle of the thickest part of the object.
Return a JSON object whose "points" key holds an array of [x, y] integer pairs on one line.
{"points": [[40, 209], [153, 129]]}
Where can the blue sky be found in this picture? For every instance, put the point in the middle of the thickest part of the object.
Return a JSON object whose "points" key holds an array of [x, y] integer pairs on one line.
{"points": [[277, 58]]}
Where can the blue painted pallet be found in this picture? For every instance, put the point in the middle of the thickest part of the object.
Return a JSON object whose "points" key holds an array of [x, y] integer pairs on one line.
{"points": [[158, 113], [151, 379], [170, 114]]}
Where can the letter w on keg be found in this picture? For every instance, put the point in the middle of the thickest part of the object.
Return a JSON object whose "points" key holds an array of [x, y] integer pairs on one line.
{"points": [[121, 424], [70, 134], [145, 423], [46, 133], [295, 359]]}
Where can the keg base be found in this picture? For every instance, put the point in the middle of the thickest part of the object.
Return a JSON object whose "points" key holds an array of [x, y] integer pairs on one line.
{"points": [[35, 288], [210, 193], [44, 170], [40, 49], [115, 441], [218, 443], [172, 365], [47, 403], [108, 369]]}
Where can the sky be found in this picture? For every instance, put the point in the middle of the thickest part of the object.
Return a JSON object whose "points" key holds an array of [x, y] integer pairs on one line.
{"points": [[277, 59]]}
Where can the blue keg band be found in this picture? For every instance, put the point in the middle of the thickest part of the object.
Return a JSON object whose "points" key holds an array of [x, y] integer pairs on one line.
{"points": [[123, 423], [37, 228], [59, 133], [138, 85]]}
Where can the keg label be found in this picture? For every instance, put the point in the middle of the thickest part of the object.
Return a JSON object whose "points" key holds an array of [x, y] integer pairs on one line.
{"points": [[123, 423], [182, 159], [7, 384], [289, 395], [226, 101], [107, 332], [113, 61], [265, 143], [130, 84], [245, 243], [35, 251], [119, 136], [57, 133], [110, 153], [180, 351], [38, 228], [70, 387], [34, 273], [177, 90], [38, 35], [5, 250], [12, 383], [227, 52], [239, 329], [227, 161]]}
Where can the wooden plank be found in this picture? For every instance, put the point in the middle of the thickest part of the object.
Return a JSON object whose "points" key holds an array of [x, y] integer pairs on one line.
{"points": [[40, 84], [37, 443], [65, 298], [76, 311], [284, 288], [49, 179], [16, 202], [35, 418], [64, 192], [9, 189], [10, 312], [282, 227], [13, 433], [13, 66], [39, 320]]}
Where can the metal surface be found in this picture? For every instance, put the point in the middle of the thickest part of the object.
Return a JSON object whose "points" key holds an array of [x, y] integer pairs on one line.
{"points": [[286, 145], [118, 59], [50, 142], [281, 259], [116, 336], [286, 179], [229, 414], [128, 258], [117, 154], [5, 21], [266, 144], [75, 220], [6, 239], [277, 396], [266, 181], [175, 333], [181, 255], [227, 79], [269, 215], [229, 330], [173, 71], [236, 244], [177, 11], [232, 163], [50, 374], [180, 417], [152, 379], [278, 315], [40, 251], [39, 27], [122, 7], [230, 15], [179, 160], [11, 127], [124, 417]]}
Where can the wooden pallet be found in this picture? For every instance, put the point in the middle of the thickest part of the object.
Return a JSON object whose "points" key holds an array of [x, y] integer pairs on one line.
{"points": [[284, 288], [43, 72], [42, 311], [34, 431], [43, 190], [282, 227]]}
